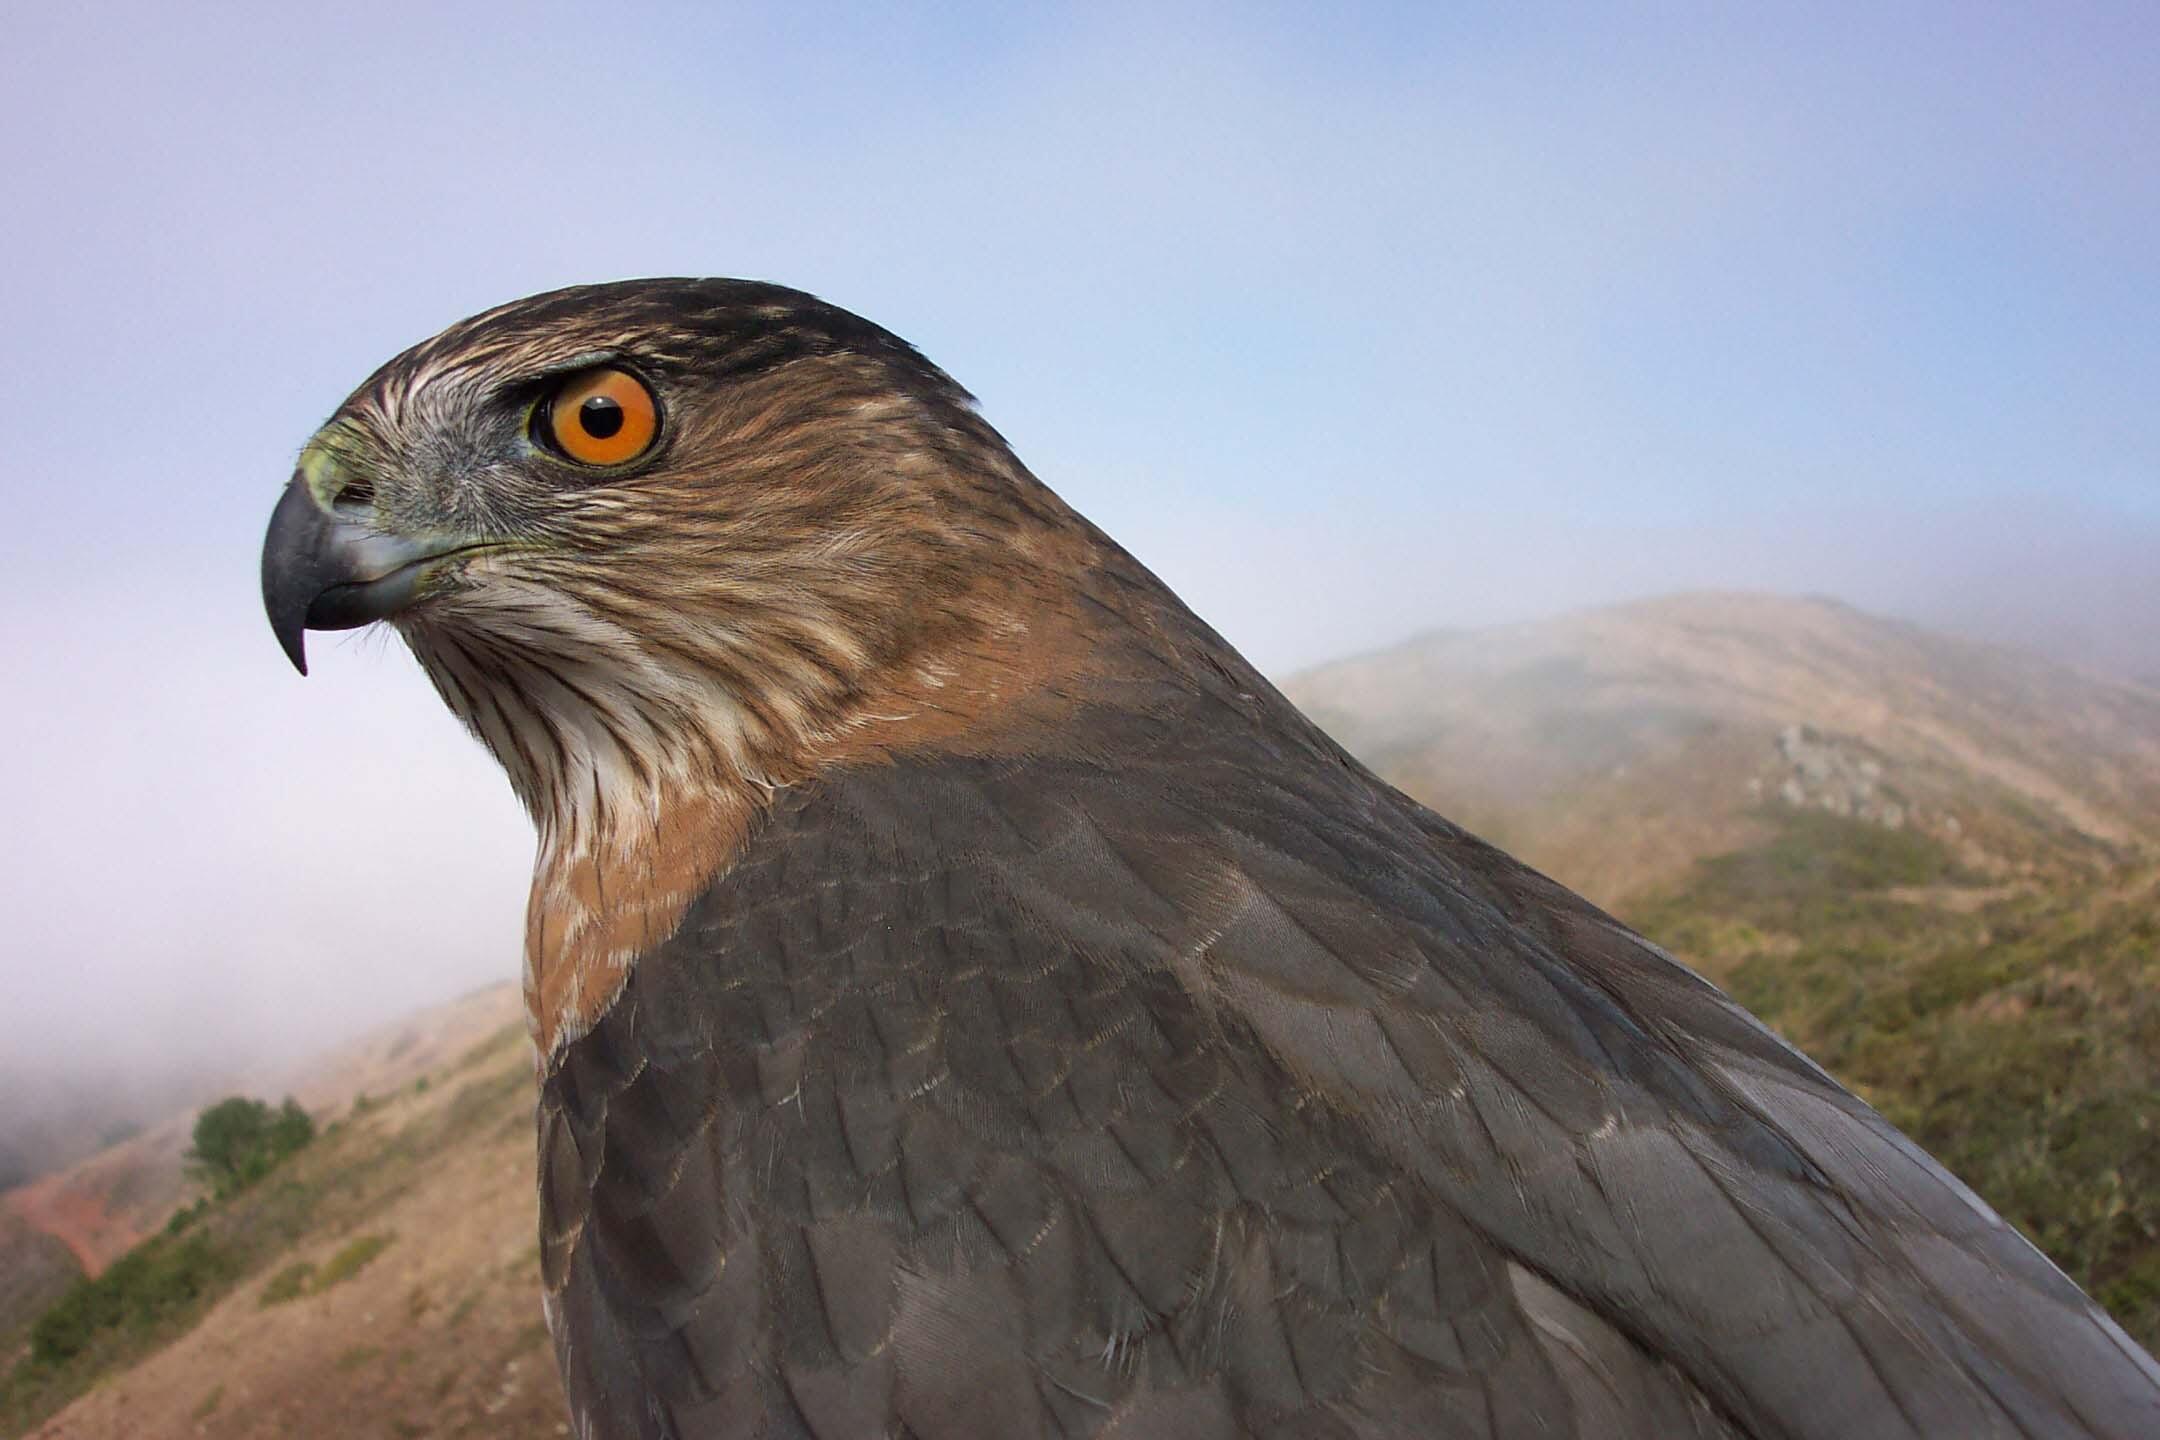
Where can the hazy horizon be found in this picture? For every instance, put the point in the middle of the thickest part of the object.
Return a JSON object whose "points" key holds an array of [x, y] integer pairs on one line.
{"points": [[1351, 328]]}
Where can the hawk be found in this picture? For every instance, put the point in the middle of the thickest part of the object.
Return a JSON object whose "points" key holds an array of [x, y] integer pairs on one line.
{"points": [[972, 1002]]}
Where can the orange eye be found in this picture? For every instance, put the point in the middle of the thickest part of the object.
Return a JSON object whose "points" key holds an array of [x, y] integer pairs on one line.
{"points": [[603, 417]]}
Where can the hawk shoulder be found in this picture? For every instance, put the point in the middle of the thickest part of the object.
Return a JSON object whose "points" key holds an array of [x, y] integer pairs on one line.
{"points": [[1221, 1090]]}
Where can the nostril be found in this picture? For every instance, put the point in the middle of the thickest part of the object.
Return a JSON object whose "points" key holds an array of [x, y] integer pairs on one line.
{"points": [[356, 495]]}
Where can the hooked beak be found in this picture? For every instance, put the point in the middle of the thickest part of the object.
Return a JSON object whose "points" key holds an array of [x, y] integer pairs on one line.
{"points": [[326, 570]]}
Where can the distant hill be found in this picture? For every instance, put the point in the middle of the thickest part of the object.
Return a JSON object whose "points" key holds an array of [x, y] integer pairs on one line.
{"points": [[1931, 863], [1615, 748]]}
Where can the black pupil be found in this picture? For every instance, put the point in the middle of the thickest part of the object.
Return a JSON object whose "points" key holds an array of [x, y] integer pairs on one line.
{"points": [[600, 417]]}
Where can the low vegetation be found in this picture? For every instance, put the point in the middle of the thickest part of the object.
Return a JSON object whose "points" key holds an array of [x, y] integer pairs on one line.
{"points": [[2014, 1032], [349, 1261], [289, 1283], [138, 1292]]}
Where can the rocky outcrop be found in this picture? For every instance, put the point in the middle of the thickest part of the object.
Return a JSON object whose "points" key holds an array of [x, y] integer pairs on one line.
{"points": [[1815, 771]]}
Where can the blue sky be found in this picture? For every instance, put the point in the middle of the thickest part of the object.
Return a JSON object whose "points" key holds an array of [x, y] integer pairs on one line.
{"points": [[1351, 324]]}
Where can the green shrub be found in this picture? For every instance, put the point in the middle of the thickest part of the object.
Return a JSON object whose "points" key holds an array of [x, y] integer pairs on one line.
{"points": [[238, 1141]]}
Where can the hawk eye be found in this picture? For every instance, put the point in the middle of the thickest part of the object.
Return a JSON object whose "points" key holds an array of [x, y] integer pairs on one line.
{"points": [[599, 417]]}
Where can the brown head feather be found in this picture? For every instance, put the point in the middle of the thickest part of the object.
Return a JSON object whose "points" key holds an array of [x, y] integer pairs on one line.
{"points": [[828, 558]]}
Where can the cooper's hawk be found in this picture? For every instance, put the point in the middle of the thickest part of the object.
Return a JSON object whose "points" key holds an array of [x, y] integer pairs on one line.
{"points": [[973, 1003]]}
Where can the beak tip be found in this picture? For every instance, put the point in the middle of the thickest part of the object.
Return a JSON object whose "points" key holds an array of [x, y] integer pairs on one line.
{"points": [[294, 643]]}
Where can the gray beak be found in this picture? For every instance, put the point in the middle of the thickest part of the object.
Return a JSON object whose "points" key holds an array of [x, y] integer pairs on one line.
{"points": [[323, 570]]}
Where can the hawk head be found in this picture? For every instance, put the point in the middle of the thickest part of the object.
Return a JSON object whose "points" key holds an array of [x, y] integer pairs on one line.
{"points": [[664, 545]]}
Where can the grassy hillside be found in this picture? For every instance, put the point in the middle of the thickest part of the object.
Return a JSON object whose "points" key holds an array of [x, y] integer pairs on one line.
{"points": [[2012, 1029], [381, 1282], [83, 1218], [1614, 748]]}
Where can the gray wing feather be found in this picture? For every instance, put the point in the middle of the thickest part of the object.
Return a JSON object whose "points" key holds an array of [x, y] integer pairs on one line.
{"points": [[1207, 1087]]}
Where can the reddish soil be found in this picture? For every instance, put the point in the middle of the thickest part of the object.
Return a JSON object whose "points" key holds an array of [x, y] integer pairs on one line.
{"points": [[77, 1218]]}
